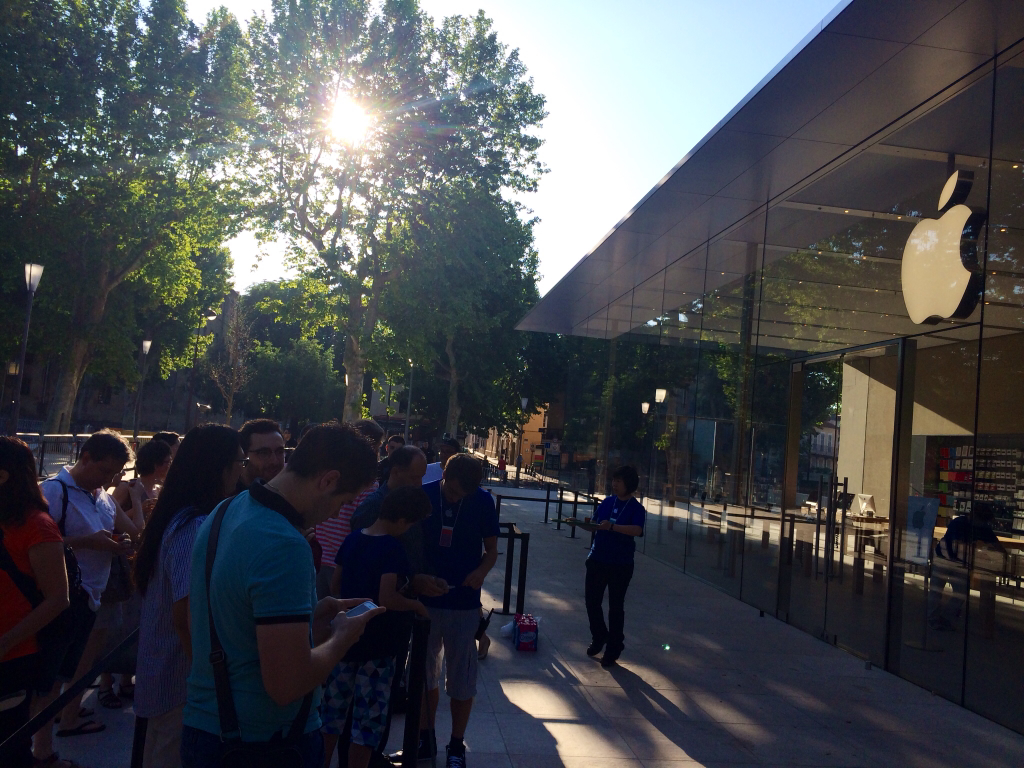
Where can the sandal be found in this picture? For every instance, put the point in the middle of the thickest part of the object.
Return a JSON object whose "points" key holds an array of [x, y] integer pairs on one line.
{"points": [[126, 690], [82, 714], [108, 698], [86, 728]]}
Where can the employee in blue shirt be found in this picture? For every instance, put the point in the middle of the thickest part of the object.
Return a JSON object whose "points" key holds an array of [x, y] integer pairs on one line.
{"points": [[620, 519]]}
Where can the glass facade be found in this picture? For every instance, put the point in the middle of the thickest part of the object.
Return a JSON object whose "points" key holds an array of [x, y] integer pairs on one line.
{"points": [[805, 445]]}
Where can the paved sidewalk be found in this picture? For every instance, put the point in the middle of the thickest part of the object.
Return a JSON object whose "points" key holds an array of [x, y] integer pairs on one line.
{"points": [[704, 681]]}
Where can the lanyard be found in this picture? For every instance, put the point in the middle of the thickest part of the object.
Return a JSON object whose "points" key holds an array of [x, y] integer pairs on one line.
{"points": [[447, 511], [616, 511]]}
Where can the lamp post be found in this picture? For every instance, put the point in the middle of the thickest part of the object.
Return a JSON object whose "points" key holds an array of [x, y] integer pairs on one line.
{"points": [[659, 398], [519, 454], [33, 272], [146, 345], [408, 405], [190, 403]]}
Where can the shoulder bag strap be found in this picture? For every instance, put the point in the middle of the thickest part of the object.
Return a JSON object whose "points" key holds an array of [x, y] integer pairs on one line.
{"points": [[63, 503], [25, 583], [218, 660]]}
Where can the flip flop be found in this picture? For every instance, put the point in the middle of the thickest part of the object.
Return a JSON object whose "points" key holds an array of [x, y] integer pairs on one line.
{"points": [[82, 714], [109, 699], [87, 728]]}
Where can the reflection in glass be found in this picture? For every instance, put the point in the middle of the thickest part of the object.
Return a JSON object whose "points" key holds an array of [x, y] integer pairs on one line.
{"points": [[926, 644]]}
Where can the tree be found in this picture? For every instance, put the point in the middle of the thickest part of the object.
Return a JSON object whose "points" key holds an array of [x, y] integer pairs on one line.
{"points": [[229, 366], [294, 384], [120, 120], [446, 103]]}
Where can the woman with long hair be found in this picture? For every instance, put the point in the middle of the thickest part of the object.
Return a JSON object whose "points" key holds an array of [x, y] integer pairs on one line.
{"points": [[33, 592], [205, 471]]}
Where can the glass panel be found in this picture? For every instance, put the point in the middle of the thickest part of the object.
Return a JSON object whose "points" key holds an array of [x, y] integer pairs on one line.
{"points": [[719, 459], [679, 353], [926, 644], [995, 610], [806, 520], [587, 367], [857, 564], [763, 533]]}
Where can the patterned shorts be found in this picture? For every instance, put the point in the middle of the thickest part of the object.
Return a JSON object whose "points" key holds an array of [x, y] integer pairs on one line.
{"points": [[366, 686]]}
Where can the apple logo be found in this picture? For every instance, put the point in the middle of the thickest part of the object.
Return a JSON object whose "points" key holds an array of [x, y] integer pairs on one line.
{"points": [[940, 273]]}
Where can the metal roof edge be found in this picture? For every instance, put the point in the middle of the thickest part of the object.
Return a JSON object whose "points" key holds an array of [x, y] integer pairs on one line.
{"points": [[816, 30]]}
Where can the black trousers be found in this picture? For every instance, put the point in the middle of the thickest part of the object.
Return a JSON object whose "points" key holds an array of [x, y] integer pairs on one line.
{"points": [[616, 579]]}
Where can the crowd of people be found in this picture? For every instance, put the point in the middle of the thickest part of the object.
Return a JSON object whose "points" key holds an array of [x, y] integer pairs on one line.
{"points": [[274, 600]]}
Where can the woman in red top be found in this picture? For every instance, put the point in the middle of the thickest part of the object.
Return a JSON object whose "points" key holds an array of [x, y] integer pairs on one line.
{"points": [[33, 542]]}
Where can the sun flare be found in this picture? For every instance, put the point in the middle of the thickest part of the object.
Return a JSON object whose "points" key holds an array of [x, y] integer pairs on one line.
{"points": [[349, 122]]}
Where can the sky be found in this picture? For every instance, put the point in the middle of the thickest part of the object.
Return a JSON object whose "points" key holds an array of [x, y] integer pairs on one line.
{"points": [[631, 87]]}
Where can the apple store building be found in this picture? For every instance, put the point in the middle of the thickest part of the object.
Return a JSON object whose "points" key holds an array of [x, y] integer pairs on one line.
{"points": [[809, 339]]}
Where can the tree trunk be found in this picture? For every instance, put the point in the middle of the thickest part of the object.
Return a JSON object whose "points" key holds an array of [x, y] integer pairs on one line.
{"points": [[454, 409], [355, 364], [77, 360]]}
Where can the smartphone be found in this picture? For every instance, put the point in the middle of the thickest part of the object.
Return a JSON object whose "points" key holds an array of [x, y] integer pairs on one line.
{"points": [[360, 609]]}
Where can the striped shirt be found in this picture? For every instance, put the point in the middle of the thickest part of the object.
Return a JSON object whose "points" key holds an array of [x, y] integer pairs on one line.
{"points": [[332, 532], [160, 681]]}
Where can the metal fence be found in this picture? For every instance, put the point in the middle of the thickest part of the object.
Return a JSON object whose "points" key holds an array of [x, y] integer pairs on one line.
{"points": [[55, 451]]}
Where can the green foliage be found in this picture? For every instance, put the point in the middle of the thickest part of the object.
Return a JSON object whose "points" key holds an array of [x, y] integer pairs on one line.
{"points": [[298, 383], [120, 118], [448, 104], [471, 277]]}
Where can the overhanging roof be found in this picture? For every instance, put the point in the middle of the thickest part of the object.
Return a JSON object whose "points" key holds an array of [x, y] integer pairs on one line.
{"points": [[865, 65]]}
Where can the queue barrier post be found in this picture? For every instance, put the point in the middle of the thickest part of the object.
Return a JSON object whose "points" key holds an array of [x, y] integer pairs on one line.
{"points": [[575, 503], [512, 533], [547, 501], [509, 554], [417, 682], [524, 551]]}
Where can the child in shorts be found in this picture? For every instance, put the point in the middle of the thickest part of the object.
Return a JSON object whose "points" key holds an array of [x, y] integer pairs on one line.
{"points": [[373, 565]]}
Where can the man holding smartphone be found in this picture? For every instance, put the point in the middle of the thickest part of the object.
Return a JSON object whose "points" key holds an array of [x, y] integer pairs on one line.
{"points": [[461, 546], [280, 643]]}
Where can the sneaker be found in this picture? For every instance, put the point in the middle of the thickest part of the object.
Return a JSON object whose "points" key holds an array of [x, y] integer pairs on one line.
{"points": [[457, 760], [427, 750], [595, 648], [609, 659]]}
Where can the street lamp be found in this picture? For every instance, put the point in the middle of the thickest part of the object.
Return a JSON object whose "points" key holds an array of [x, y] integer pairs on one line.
{"points": [[408, 405], [659, 395], [33, 273], [208, 315], [146, 345], [519, 455], [645, 407]]}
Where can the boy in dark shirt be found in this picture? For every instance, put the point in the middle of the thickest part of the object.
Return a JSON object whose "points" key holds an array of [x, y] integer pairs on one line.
{"points": [[371, 563]]}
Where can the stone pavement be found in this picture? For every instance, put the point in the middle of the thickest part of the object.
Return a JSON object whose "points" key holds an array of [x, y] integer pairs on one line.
{"points": [[704, 681]]}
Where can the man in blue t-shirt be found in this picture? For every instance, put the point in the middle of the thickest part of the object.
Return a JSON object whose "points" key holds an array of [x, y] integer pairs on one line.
{"points": [[280, 643], [460, 546], [620, 519]]}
